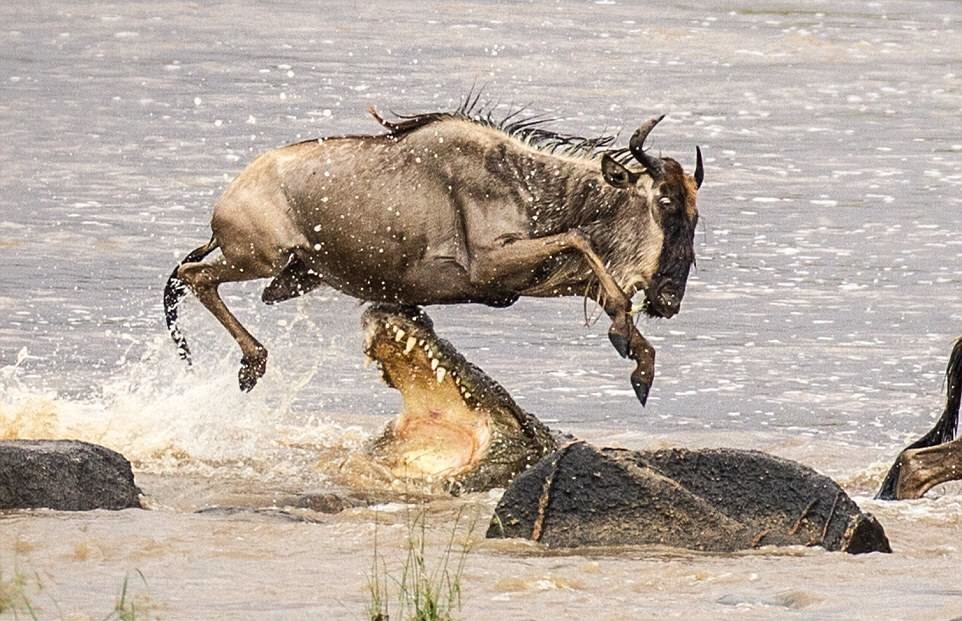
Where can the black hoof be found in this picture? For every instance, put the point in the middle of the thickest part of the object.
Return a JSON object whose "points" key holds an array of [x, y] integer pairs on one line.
{"points": [[641, 391], [620, 344], [252, 369], [184, 352], [246, 379]]}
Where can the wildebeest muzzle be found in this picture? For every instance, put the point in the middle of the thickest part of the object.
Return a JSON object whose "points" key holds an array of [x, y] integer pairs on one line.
{"points": [[663, 297]]}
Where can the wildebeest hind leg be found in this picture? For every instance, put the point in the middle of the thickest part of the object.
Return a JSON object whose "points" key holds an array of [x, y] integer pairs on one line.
{"points": [[204, 279], [294, 280]]}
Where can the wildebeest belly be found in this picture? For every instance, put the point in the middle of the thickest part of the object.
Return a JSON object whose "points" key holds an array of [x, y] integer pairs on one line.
{"points": [[376, 246]]}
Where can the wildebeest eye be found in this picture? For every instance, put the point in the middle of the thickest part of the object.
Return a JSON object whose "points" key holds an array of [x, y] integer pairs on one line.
{"points": [[664, 201]]}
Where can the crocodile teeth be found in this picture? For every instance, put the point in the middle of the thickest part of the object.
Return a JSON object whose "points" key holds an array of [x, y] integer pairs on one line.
{"points": [[467, 395], [440, 374], [410, 344], [399, 335], [434, 363]]}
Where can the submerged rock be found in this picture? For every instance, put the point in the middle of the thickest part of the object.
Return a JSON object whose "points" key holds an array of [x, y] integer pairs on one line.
{"points": [[718, 500], [66, 475]]}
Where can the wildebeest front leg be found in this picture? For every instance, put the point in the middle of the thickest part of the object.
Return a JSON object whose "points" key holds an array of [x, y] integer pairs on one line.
{"points": [[519, 257]]}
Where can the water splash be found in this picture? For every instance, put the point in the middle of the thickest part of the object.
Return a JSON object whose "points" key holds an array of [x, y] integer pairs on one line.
{"points": [[167, 418]]}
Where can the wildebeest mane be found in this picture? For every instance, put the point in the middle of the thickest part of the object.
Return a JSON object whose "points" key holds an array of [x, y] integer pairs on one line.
{"points": [[517, 123]]}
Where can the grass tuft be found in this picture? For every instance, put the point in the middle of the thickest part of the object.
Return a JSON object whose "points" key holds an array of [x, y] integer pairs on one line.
{"points": [[13, 596], [124, 608], [15, 603], [423, 592]]}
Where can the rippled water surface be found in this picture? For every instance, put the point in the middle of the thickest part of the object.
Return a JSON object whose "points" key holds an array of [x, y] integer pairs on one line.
{"points": [[816, 326]]}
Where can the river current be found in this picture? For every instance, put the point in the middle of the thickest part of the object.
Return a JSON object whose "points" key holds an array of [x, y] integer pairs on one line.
{"points": [[816, 326]]}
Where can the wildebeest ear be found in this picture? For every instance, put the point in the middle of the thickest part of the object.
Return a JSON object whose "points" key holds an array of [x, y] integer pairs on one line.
{"points": [[616, 174]]}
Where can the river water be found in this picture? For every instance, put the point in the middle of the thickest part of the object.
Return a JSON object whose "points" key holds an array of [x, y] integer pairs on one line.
{"points": [[816, 326]]}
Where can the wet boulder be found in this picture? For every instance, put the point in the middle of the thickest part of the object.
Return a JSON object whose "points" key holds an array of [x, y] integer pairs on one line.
{"points": [[66, 475], [717, 500]]}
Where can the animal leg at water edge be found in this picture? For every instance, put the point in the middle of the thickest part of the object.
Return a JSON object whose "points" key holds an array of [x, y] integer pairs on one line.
{"points": [[934, 458]]}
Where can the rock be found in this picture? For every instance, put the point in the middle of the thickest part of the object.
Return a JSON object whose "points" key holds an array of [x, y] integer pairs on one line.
{"points": [[718, 500], [66, 475], [331, 502]]}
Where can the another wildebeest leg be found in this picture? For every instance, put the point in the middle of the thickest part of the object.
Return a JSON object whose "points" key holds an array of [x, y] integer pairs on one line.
{"points": [[204, 279], [295, 280], [919, 470], [523, 255], [939, 437]]}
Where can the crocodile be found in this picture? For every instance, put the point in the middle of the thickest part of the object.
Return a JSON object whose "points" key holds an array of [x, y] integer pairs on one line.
{"points": [[457, 426]]}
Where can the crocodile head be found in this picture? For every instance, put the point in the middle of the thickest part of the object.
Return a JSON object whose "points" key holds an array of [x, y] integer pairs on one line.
{"points": [[457, 426]]}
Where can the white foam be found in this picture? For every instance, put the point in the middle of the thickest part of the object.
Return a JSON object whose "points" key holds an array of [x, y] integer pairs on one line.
{"points": [[165, 418]]}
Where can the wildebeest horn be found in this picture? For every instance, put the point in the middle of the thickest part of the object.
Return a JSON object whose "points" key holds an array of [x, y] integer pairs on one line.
{"points": [[699, 168], [637, 147]]}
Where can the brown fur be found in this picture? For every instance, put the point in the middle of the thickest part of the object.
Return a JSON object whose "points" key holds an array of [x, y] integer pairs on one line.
{"points": [[448, 209]]}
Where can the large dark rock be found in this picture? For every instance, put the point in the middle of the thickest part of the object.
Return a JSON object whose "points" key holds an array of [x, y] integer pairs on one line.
{"points": [[64, 474], [715, 500]]}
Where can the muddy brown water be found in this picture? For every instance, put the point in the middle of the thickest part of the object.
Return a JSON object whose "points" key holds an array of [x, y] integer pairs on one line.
{"points": [[816, 326]]}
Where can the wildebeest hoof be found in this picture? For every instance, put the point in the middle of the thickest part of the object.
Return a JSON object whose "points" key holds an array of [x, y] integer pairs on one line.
{"points": [[641, 390], [252, 369], [619, 342], [644, 374]]}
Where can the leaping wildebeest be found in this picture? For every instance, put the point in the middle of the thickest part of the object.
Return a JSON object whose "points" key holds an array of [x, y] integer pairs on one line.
{"points": [[454, 207]]}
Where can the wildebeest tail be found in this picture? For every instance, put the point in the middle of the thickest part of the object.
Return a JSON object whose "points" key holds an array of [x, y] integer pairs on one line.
{"points": [[945, 428], [175, 291]]}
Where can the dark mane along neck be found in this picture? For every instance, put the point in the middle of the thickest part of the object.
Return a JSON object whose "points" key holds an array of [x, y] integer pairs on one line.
{"points": [[558, 180], [563, 193], [528, 128]]}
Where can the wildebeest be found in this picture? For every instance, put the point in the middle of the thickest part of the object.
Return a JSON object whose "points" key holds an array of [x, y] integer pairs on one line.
{"points": [[454, 207], [935, 457]]}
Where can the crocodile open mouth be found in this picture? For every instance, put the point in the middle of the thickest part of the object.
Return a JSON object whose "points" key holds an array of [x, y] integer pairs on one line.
{"points": [[456, 423]]}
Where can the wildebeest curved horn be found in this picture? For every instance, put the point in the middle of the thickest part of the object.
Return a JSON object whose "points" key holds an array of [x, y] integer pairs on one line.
{"points": [[699, 168], [637, 147]]}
